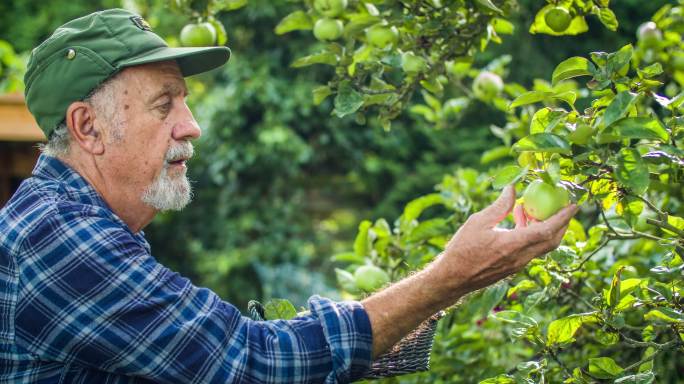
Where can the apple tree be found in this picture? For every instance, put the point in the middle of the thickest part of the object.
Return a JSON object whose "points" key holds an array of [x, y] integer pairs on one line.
{"points": [[607, 127]]}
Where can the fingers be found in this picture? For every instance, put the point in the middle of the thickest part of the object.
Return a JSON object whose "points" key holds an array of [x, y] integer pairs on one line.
{"points": [[519, 217], [499, 209], [541, 248], [562, 218]]}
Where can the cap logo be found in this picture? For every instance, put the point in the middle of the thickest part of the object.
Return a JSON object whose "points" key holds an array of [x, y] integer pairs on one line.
{"points": [[140, 23]]}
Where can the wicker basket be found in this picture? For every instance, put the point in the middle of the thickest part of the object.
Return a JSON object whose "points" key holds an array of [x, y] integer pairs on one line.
{"points": [[411, 354]]}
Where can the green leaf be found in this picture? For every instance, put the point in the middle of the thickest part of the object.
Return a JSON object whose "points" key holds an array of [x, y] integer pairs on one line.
{"points": [[358, 22], [523, 285], [613, 294], [491, 297], [608, 18], [606, 338], [572, 67], [321, 93], [563, 330], [618, 62], [503, 26], [665, 314], [639, 378], [348, 257], [652, 70], [631, 171], [227, 5], [494, 154], [546, 119], [428, 229], [515, 317], [508, 175], [297, 20], [279, 309], [649, 128], [415, 207], [425, 111], [530, 98], [619, 107], [324, 57], [675, 221], [347, 100], [543, 142], [489, 5], [604, 368], [567, 96], [501, 379], [627, 286], [362, 242]]}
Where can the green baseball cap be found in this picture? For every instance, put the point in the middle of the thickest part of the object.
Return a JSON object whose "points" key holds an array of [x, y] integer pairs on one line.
{"points": [[85, 52]]}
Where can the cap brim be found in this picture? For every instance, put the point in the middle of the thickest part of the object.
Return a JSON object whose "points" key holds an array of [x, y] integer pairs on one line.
{"points": [[191, 60]]}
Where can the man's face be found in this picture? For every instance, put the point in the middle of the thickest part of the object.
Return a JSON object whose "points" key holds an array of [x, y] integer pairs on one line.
{"points": [[148, 143]]}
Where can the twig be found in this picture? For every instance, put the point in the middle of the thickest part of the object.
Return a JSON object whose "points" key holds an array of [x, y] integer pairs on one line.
{"points": [[662, 347], [666, 225], [581, 264]]}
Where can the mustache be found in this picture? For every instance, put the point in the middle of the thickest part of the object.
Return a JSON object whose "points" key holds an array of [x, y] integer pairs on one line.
{"points": [[182, 151]]}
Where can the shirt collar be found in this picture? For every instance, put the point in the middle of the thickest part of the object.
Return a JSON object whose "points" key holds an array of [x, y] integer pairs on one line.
{"points": [[76, 187]]}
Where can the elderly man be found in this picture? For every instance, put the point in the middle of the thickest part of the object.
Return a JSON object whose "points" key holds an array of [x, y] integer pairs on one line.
{"points": [[83, 300]]}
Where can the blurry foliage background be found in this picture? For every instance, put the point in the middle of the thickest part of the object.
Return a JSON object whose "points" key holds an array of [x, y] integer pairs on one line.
{"points": [[280, 185]]}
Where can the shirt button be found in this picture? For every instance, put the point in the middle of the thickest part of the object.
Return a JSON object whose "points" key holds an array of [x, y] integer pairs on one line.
{"points": [[71, 54]]}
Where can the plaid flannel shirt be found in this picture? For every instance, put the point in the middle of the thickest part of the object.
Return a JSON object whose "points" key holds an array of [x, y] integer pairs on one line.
{"points": [[82, 300]]}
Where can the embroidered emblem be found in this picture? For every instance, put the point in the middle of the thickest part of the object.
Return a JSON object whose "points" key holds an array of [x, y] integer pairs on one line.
{"points": [[140, 23]]}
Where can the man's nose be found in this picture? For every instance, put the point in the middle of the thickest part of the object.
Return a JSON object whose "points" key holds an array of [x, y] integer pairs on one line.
{"points": [[186, 128]]}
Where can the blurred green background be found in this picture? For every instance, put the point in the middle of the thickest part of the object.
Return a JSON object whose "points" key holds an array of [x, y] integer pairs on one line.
{"points": [[280, 184]]}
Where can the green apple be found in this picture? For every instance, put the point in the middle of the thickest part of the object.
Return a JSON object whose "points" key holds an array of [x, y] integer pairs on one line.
{"points": [[558, 19], [581, 134], [381, 36], [542, 200], [411, 63], [649, 35], [369, 278], [487, 85], [328, 29], [198, 35], [330, 8]]}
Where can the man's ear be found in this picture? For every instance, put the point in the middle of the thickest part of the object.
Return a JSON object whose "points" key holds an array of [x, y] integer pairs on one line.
{"points": [[80, 118]]}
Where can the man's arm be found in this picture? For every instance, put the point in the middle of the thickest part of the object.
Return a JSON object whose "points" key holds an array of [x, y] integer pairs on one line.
{"points": [[478, 255]]}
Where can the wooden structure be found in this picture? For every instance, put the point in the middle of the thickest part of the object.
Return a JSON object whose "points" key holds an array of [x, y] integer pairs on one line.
{"points": [[19, 135]]}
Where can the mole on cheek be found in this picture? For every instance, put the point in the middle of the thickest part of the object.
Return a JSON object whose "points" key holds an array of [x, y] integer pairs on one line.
{"points": [[126, 106]]}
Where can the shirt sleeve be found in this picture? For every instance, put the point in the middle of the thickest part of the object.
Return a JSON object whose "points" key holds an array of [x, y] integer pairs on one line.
{"points": [[91, 295]]}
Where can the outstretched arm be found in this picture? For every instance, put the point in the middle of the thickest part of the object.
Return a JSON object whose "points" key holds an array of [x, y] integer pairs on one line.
{"points": [[478, 255]]}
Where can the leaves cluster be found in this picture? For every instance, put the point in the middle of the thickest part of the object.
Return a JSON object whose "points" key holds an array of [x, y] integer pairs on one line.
{"points": [[607, 305]]}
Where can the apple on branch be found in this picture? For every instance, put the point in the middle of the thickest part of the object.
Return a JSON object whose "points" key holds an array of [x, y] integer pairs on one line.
{"points": [[542, 200]]}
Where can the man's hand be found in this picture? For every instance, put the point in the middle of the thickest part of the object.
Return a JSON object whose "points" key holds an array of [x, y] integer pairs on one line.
{"points": [[478, 255], [481, 254]]}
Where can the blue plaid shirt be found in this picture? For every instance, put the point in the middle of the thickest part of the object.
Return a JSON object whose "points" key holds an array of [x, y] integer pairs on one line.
{"points": [[82, 300]]}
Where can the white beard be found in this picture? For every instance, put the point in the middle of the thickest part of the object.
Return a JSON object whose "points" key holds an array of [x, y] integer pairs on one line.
{"points": [[170, 192]]}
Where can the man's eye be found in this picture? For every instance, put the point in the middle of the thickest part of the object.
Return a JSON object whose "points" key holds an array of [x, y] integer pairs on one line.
{"points": [[165, 107]]}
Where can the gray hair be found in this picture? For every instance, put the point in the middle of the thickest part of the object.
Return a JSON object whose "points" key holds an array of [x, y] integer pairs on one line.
{"points": [[103, 100]]}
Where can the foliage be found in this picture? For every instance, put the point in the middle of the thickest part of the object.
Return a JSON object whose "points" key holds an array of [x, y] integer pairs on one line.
{"points": [[607, 304], [12, 68]]}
